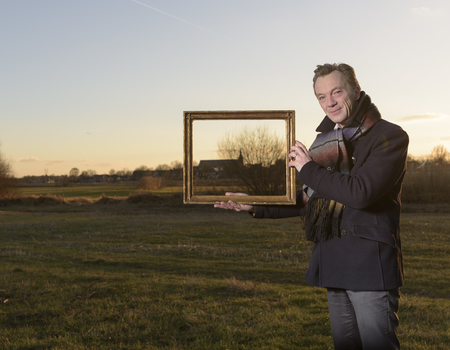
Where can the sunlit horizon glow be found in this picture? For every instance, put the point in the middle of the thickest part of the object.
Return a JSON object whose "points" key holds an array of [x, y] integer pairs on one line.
{"points": [[423, 117], [103, 84]]}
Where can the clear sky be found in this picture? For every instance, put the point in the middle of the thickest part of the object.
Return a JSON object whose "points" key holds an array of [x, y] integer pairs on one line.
{"points": [[102, 84]]}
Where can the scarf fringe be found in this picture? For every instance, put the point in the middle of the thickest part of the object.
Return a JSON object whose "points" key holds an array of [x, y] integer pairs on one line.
{"points": [[325, 225]]}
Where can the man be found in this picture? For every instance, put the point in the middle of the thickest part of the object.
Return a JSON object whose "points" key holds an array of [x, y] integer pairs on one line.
{"points": [[352, 178]]}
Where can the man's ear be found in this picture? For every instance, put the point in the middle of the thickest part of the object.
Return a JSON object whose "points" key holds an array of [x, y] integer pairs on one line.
{"points": [[358, 92]]}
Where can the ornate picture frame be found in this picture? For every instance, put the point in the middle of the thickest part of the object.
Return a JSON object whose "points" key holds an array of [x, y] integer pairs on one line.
{"points": [[192, 196]]}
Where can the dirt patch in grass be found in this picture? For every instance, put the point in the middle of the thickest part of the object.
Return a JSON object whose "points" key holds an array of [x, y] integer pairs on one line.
{"points": [[109, 200]]}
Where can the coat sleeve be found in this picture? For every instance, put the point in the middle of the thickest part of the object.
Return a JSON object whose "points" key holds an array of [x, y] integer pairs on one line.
{"points": [[281, 211], [383, 166]]}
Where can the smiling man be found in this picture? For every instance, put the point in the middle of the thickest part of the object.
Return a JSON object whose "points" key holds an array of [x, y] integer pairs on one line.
{"points": [[337, 97], [352, 176]]}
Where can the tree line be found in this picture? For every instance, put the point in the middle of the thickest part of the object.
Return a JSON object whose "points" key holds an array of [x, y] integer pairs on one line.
{"points": [[263, 161], [125, 172]]}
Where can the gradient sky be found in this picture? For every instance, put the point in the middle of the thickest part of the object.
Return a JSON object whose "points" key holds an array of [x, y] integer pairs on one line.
{"points": [[102, 84]]}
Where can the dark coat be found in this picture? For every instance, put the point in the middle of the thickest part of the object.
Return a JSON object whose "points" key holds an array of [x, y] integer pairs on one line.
{"points": [[368, 255]]}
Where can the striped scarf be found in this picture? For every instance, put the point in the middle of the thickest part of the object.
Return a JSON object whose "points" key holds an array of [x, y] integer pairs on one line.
{"points": [[323, 215]]}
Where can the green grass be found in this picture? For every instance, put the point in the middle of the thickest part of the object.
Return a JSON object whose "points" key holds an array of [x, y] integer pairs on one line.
{"points": [[189, 277], [93, 191]]}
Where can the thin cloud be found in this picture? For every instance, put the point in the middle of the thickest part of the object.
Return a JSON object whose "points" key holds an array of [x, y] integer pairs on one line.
{"points": [[427, 13], [421, 10], [421, 117], [181, 20], [26, 160], [54, 161]]}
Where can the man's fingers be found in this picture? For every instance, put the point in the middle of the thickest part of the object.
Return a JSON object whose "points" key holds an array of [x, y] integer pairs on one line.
{"points": [[235, 194], [224, 205], [301, 146]]}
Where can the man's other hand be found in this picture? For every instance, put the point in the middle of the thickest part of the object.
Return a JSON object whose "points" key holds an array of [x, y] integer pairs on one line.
{"points": [[231, 205], [299, 156]]}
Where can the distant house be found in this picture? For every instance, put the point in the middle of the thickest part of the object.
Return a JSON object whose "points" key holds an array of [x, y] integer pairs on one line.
{"points": [[215, 168], [139, 174]]}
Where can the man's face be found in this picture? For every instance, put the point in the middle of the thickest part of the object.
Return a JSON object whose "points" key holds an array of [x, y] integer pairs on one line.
{"points": [[336, 99]]}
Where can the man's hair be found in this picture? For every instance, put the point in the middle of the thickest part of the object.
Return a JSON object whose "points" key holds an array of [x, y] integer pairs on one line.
{"points": [[345, 69]]}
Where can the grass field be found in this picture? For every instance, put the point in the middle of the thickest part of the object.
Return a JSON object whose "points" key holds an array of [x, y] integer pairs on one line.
{"points": [[189, 277]]}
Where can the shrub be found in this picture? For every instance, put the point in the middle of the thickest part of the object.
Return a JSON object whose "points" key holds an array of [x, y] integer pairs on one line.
{"points": [[65, 181], [151, 183]]}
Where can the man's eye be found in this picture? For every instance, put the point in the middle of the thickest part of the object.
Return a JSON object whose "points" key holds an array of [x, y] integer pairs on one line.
{"points": [[337, 92]]}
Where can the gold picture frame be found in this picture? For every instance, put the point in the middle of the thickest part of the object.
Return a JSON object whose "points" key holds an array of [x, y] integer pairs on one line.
{"points": [[189, 195]]}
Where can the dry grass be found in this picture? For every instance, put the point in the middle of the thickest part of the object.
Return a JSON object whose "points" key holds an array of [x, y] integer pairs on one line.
{"points": [[133, 198]]}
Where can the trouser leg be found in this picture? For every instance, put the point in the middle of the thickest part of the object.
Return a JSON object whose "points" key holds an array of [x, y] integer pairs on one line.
{"points": [[376, 316], [364, 320], [343, 321]]}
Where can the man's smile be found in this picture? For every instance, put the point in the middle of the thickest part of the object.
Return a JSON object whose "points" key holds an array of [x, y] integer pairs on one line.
{"points": [[336, 111]]}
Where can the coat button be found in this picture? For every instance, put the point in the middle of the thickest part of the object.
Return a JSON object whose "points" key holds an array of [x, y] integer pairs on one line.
{"points": [[353, 160], [343, 233], [361, 138]]}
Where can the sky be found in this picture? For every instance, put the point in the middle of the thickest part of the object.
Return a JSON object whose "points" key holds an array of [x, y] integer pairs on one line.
{"points": [[102, 84]]}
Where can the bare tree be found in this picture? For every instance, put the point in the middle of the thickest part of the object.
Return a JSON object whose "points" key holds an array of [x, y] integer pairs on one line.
{"points": [[7, 181], [163, 167], [260, 159], [73, 174], [440, 155], [125, 172], [87, 174], [142, 168], [176, 164]]}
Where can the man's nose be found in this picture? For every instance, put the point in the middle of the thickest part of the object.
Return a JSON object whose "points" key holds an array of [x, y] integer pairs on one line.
{"points": [[331, 102]]}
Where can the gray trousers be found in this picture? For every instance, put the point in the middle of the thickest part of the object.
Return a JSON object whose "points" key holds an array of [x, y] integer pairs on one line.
{"points": [[364, 320]]}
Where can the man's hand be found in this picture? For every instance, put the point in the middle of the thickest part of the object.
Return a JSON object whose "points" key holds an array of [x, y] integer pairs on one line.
{"points": [[231, 205], [299, 156]]}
